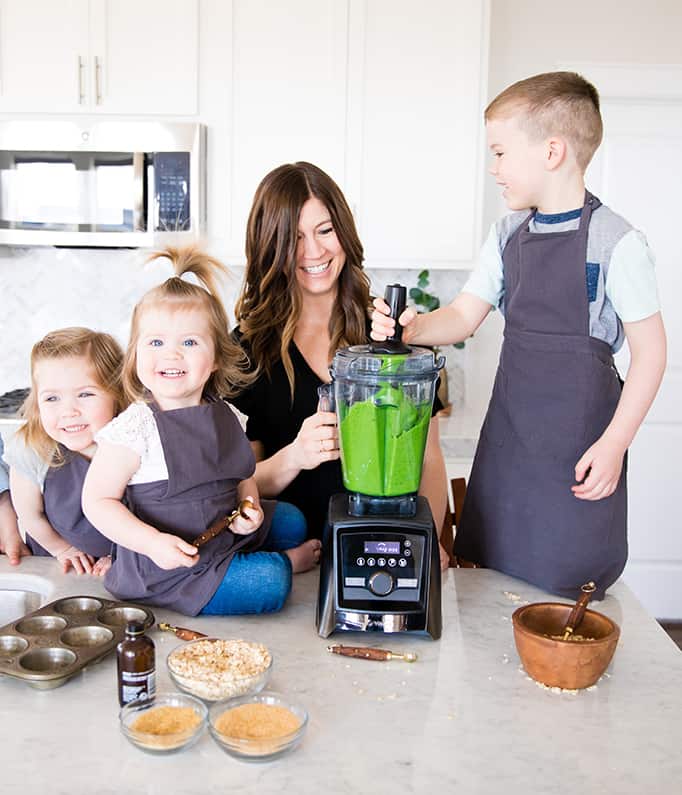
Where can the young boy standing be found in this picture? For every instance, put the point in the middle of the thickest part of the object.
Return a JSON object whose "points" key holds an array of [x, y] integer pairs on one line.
{"points": [[547, 498]]}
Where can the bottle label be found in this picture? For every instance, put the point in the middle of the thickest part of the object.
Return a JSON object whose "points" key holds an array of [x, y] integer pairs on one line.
{"points": [[137, 685]]}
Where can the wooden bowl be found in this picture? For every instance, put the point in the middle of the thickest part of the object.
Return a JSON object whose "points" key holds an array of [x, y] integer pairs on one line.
{"points": [[563, 663]]}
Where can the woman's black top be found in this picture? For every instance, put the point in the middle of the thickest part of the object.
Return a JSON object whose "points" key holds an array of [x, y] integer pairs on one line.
{"points": [[275, 421]]}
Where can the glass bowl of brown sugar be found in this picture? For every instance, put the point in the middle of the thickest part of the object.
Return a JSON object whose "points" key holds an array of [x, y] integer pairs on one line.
{"points": [[259, 727], [163, 723]]}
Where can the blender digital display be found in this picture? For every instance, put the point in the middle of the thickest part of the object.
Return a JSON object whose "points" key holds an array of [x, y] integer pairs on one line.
{"points": [[382, 547]]}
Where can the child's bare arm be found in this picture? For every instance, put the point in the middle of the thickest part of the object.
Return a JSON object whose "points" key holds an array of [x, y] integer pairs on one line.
{"points": [[111, 468], [604, 459], [452, 323], [10, 540], [28, 502]]}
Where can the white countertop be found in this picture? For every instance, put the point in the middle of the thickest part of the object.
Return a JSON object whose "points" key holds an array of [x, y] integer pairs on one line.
{"points": [[463, 719]]}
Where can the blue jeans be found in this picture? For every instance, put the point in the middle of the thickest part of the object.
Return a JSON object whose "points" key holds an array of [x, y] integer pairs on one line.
{"points": [[259, 582]]}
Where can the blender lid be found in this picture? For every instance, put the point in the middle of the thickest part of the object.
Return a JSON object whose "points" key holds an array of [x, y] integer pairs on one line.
{"points": [[361, 360]]}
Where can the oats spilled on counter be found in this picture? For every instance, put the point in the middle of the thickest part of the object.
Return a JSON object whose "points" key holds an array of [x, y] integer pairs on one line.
{"points": [[217, 669]]}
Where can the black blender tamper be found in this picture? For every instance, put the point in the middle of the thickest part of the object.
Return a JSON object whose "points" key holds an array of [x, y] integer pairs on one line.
{"points": [[396, 298]]}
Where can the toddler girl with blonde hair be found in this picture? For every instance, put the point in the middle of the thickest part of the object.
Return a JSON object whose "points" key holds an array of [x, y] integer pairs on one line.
{"points": [[75, 391], [181, 458]]}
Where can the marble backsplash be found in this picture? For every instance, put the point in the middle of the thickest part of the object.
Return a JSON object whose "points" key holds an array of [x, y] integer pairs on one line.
{"points": [[47, 288]]}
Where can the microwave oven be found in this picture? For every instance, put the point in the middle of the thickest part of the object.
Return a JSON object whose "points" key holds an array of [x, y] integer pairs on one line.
{"points": [[104, 183]]}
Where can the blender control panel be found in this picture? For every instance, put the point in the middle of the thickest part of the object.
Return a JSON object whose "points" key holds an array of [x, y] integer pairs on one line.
{"points": [[380, 566]]}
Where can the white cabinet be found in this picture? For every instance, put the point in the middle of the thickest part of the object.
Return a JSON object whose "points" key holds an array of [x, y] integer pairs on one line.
{"points": [[384, 95], [288, 93], [101, 56], [415, 95], [44, 53]]}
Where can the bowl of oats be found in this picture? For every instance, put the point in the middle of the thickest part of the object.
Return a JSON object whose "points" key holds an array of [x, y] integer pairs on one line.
{"points": [[214, 669], [570, 664], [257, 728], [163, 723]]}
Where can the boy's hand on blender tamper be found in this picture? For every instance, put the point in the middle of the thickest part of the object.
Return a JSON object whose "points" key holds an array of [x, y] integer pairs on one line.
{"points": [[383, 326]]}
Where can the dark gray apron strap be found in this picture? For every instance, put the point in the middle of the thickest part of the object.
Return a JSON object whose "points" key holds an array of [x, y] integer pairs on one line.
{"points": [[62, 500]]}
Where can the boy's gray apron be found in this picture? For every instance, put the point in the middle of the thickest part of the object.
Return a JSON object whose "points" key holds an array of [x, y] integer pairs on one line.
{"points": [[62, 505], [555, 391], [207, 455]]}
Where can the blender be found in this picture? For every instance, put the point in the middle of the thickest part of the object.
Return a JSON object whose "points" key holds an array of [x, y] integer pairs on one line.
{"points": [[380, 568]]}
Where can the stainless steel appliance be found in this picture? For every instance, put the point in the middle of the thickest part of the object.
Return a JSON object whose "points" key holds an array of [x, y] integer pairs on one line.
{"points": [[101, 183], [380, 567]]}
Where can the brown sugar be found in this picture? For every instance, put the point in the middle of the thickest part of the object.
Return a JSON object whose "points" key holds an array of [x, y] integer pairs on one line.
{"points": [[257, 722], [165, 727]]}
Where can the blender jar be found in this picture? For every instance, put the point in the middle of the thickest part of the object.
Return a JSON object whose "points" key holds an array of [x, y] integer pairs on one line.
{"points": [[383, 405]]}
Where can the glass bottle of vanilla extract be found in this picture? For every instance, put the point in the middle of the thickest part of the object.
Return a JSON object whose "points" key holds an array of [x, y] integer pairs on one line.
{"points": [[136, 665]]}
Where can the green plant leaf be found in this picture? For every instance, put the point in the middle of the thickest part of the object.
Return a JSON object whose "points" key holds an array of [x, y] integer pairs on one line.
{"points": [[458, 345], [416, 294]]}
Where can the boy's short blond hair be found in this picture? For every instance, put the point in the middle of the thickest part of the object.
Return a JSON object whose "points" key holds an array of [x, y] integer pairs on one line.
{"points": [[553, 103]]}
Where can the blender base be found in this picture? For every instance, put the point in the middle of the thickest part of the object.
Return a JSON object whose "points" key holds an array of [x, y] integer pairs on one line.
{"points": [[379, 573]]}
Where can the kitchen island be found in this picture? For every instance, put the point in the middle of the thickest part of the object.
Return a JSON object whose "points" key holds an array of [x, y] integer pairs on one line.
{"points": [[464, 718]]}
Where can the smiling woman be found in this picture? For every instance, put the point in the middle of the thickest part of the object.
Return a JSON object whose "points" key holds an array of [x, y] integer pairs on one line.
{"points": [[305, 295]]}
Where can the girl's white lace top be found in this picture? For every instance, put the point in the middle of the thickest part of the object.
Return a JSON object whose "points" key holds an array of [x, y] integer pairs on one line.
{"points": [[136, 429]]}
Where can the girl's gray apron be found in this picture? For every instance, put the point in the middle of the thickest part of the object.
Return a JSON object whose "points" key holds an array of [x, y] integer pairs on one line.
{"points": [[555, 391], [62, 505], [207, 455]]}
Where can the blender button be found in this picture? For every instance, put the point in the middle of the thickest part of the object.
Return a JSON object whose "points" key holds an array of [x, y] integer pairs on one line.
{"points": [[356, 582], [381, 561], [360, 561], [407, 553], [402, 562], [371, 562], [408, 543], [391, 561], [406, 582]]}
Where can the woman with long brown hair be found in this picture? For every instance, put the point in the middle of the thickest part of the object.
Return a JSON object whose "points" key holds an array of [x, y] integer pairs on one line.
{"points": [[305, 295]]}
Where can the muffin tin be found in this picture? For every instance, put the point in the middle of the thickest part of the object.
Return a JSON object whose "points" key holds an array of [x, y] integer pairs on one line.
{"points": [[50, 645]]}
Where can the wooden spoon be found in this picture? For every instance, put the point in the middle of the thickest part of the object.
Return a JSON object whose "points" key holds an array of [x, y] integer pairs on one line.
{"points": [[576, 615], [222, 524]]}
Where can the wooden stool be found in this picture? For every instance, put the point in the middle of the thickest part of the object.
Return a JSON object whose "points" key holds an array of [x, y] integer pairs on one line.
{"points": [[458, 486]]}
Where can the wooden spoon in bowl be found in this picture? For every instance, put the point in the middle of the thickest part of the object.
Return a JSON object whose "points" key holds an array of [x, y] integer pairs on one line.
{"points": [[576, 615]]}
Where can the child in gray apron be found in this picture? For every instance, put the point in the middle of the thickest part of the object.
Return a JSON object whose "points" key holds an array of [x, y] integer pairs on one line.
{"points": [[547, 500], [183, 461], [75, 391]]}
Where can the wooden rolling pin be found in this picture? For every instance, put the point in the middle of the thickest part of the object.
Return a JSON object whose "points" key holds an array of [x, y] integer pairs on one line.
{"points": [[365, 653]]}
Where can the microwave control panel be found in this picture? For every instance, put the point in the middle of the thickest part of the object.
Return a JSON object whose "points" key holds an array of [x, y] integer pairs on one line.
{"points": [[171, 191]]}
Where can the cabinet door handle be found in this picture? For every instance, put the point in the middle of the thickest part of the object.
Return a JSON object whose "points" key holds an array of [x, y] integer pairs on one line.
{"points": [[98, 80], [81, 92]]}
